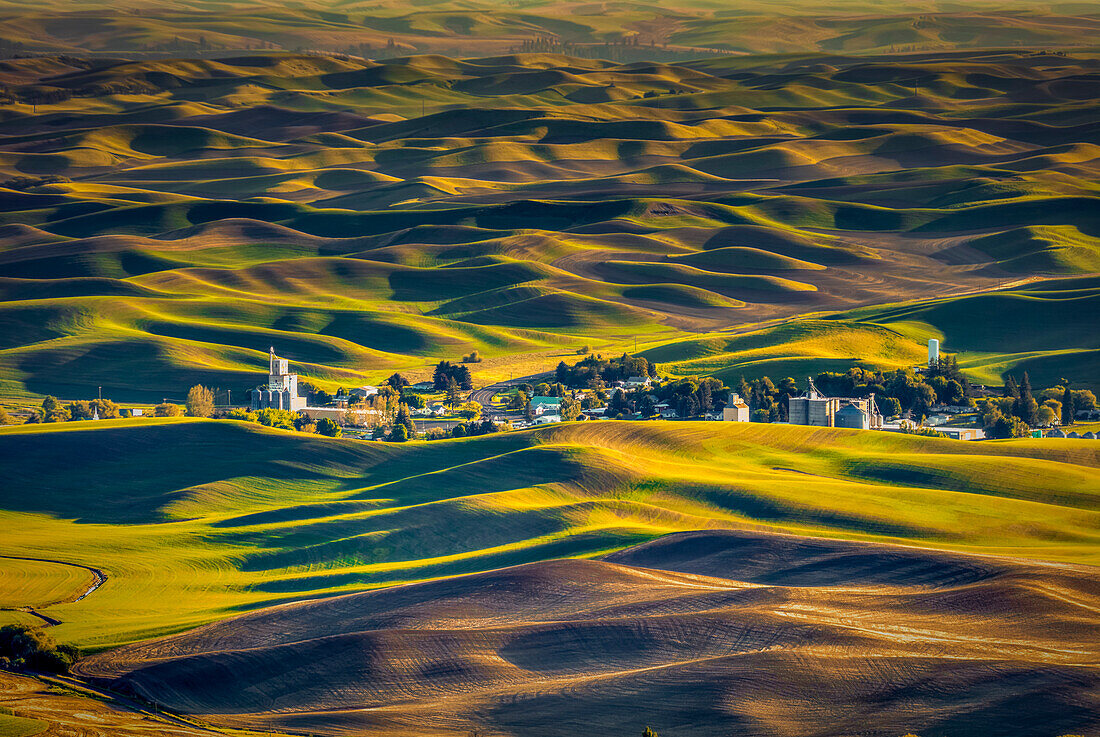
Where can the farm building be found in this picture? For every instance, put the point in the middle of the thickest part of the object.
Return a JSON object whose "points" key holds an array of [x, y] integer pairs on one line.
{"points": [[282, 387], [735, 410], [545, 405], [962, 433], [852, 416], [814, 408]]}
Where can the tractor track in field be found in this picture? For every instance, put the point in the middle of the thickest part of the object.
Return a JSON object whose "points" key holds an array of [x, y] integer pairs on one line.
{"points": [[149, 710], [100, 579]]}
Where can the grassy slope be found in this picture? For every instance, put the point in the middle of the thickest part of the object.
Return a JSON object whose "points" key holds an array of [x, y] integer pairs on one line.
{"points": [[368, 217], [1045, 328], [254, 517], [35, 583]]}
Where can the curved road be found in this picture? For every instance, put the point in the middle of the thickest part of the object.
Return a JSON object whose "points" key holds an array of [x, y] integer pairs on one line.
{"points": [[484, 396]]}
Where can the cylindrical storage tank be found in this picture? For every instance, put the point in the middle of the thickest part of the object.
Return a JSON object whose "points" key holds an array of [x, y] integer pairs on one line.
{"points": [[933, 351]]}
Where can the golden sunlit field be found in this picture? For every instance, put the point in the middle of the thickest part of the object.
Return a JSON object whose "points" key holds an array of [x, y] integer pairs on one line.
{"points": [[726, 189]]}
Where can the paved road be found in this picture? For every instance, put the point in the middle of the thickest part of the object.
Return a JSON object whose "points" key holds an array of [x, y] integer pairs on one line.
{"points": [[484, 396]]}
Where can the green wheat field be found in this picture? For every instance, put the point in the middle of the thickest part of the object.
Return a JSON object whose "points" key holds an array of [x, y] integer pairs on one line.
{"points": [[728, 190]]}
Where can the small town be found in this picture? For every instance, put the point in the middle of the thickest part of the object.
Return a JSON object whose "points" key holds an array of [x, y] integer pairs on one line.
{"points": [[933, 400]]}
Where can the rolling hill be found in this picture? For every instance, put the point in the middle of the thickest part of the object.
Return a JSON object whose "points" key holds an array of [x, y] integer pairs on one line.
{"points": [[181, 215], [742, 633], [258, 517], [637, 31]]}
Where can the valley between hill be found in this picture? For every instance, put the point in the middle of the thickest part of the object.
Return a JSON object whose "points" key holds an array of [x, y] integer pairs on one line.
{"points": [[162, 222], [259, 517], [695, 634]]}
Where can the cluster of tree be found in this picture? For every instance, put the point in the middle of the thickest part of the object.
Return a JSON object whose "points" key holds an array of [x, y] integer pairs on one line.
{"points": [[587, 371], [403, 426], [910, 391], [397, 382], [200, 401], [167, 409], [30, 648], [284, 419], [362, 50], [767, 401], [999, 419], [1018, 410], [317, 397], [690, 396], [473, 357], [105, 409], [53, 411], [446, 373], [1069, 401], [465, 430]]}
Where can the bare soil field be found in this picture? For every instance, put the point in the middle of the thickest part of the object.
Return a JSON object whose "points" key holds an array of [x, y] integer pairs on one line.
{"points": [[697, 633]]}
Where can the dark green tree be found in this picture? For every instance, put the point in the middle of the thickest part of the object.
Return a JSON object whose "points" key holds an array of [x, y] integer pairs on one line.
{"points": [[464, 378], [1026, 406], [1067, 406], [397, 382], [328, 427], [562, 372], [404, 419], [30, 647]]}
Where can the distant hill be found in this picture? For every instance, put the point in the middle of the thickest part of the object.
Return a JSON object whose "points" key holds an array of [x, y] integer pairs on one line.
{"points": [[622, 32], [165, 221]]}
